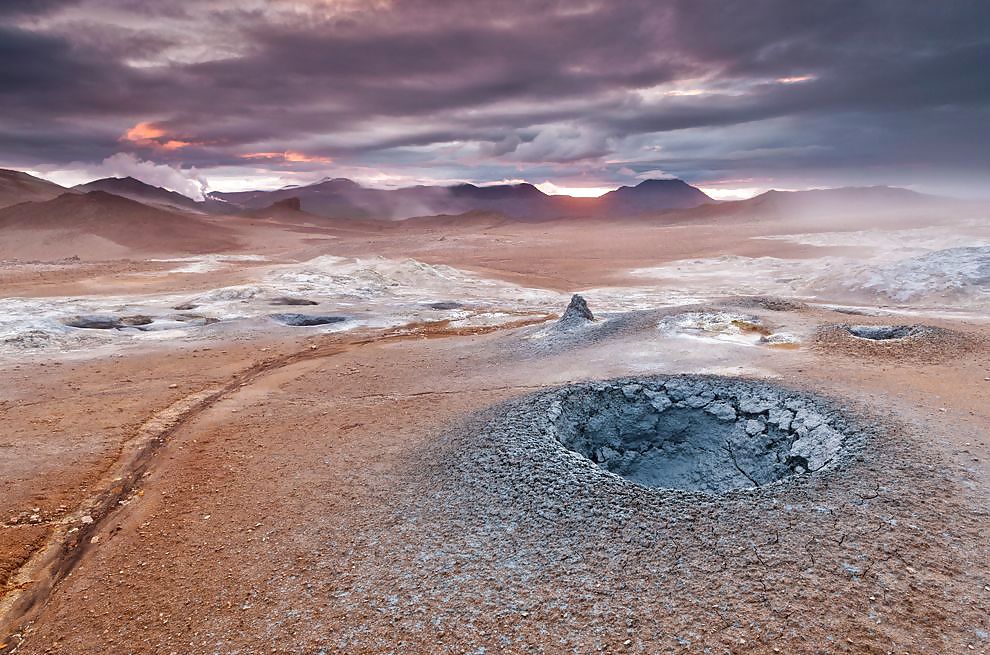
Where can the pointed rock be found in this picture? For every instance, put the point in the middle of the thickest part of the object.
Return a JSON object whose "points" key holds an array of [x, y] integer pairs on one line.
{"points": [[577, 311]]}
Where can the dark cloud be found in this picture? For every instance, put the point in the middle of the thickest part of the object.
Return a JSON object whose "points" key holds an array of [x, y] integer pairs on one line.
{"points": [[533, 88], [31, 7]]}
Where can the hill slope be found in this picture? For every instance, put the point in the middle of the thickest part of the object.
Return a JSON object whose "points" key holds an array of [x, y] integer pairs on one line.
{"points": [[134, 189], [97, 224], [16, 187]]}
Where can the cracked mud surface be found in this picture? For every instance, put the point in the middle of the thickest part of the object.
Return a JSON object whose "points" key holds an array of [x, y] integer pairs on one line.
{"points": [[605, 559], [418, 507], [698, 433]]}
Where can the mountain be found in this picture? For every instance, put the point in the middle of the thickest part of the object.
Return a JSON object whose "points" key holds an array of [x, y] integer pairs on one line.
{"points": [[519, 201], [342, 198], [844, 199], [16, 187], [98, 224], [134, 189], [843, 207], [652, 195]]}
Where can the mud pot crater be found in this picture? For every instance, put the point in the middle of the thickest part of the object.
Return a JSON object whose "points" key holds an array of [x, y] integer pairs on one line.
{"points": [[923, 343], [699, 433], [885, 332]]}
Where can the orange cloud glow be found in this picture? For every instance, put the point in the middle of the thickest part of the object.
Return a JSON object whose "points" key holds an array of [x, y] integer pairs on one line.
{"points": [[288, 155], [144, 132], [149, 135]]}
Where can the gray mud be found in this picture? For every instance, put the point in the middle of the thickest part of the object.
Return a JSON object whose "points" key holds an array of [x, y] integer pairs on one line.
{"points": [[696, 433], [510, 529], [445, 305], [292, 301], [107, 322], [885, 332], [307, 320]]}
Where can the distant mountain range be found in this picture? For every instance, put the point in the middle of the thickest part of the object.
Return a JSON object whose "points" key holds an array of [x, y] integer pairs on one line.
{"points": [[339, 199], [342, 198]]}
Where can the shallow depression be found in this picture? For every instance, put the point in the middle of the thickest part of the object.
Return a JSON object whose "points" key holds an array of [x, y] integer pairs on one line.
{"points": [[698, 434], [884, 332]]}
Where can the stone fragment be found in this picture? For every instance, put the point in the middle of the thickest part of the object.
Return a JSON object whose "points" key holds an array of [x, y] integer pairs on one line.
{"points": [[630, 391], [722, 410], [751, 405], [699, 400], [781, 418], [754, 427]]}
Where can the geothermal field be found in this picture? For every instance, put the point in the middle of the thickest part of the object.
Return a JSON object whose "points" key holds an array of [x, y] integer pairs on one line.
{"points": [[752, 428], [515, 327]]}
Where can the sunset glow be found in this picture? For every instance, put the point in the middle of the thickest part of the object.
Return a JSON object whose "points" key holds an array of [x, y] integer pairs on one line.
{"points": [[287, 156], [552, 189], [149, 135]]}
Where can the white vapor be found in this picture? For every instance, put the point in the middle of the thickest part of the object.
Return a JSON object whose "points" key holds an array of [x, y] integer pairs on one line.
{"points": [[185, 181]]}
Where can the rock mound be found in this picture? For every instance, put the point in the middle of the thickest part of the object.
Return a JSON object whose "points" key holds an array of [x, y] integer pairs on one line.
{"points": [[577, 312]]}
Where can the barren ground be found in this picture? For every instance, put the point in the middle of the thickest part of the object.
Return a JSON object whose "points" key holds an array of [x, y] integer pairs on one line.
{"points": [[270, 489]]}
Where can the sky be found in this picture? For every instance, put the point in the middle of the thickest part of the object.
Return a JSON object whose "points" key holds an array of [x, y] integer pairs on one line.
{"points": [[733, 96]]}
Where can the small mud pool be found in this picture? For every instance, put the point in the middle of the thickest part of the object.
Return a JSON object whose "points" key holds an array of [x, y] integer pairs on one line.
{"points": [[307, 320], [697, 433], [884, 332]]}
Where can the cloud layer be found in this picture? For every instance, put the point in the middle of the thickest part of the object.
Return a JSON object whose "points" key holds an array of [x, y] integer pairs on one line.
{"points": [[757, 93]]}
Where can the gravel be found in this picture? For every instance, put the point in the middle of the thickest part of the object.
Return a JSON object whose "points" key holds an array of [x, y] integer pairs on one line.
{"points": [[509, 541]]}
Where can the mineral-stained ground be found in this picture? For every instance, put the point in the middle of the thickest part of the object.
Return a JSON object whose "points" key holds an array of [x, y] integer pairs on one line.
{"points": [[415, 445]]}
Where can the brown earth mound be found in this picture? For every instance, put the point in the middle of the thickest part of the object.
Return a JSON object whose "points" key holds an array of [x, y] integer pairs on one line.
{"points": [[921, 343]]}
